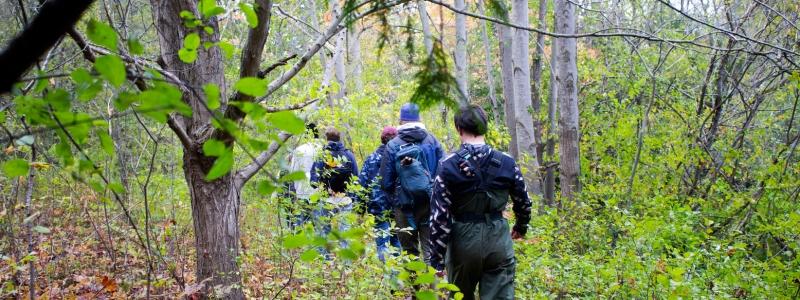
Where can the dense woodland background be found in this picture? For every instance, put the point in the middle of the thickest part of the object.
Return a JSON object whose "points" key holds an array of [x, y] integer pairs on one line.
{"points": [[144, 152]]}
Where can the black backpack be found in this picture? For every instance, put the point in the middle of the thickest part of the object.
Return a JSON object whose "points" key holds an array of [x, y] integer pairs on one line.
{"points": [[336, 172]]}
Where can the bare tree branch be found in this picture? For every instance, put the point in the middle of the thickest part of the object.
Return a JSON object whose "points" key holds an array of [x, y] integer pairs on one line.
{"points": [[55, 18]]}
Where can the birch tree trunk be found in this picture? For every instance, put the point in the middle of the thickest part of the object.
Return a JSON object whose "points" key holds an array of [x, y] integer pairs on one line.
{"points": [[552, 108], [462, 65], [488, 62], [536, 84], [427, 38], [507, 73], [567, 74], [354, 55], [340, 43], [523, 120]]}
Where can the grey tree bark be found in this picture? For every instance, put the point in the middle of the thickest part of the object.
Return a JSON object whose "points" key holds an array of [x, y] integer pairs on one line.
{"points": [[536, 84], [507, 73], [488, 63], [461, 62], [552, 108], [567, 74], [340, 43], [427, 37], [523, 121], [354, 56]]}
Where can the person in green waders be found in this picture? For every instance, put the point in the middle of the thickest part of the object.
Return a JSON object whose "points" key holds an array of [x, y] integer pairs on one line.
{"points": [[469, 236]]}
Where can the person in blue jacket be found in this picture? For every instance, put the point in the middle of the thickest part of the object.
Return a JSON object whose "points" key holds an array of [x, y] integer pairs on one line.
{"points": [[414, 216], [378, 203], [332, 172]]}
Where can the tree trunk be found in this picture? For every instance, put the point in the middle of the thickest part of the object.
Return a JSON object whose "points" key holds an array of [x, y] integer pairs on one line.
{"points": [[340, 43], [354, 56], [522, 97], [215, 212], [462, 65], [536, 84], [427, 38], [507, 74], [215, 204], [567, 74], [488, 62], [552, 107]]}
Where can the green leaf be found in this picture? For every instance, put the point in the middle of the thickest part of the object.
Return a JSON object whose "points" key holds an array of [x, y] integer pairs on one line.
{"points": [[135, 47], [288, 121], [111, 68], [309, 255], [187, 56], [105, 142], [266, 188], [214, 148], [16, 168], [191, 41], [41, 229], [249, 14], [416, 266], [295, 241], [212, 95], [124, 100], [425, 295], [222, 165], [251, 86], [25, 140], [209, 8], [347, 254], [102, 34], [59, 100], [425, 278], [227, 49], [116, 187], [294, 176]]}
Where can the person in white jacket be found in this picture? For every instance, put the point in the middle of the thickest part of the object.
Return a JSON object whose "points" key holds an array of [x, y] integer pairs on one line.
{"points": [[302, 159]]}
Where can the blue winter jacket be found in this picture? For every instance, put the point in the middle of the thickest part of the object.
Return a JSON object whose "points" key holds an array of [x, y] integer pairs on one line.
{"points": [[378, 202], [319, 164], [431, 148]]}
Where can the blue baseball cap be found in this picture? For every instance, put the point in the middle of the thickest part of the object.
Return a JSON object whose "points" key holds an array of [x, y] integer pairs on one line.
{"points": [[409, 112]]}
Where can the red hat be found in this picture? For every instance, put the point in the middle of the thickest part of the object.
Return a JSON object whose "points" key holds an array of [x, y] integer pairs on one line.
{"points": [[388, 133]]}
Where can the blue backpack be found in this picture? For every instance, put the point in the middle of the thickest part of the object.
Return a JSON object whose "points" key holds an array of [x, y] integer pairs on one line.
{"points": [[414, 177]]}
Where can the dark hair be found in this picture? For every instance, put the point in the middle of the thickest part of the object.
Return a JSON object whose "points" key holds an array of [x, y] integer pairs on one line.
{"points": [[471, 119], [313, 128], [333, 135]]}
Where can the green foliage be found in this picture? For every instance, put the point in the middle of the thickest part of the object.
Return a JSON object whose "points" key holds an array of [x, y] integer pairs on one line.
{"points": [[16, 168], [224, 158], [497, 9], [102, 34], [434, 81], [251, 86], [249, 14], [111, 68], [212, 95], [287, 121], [209, 8], [188, 54]]}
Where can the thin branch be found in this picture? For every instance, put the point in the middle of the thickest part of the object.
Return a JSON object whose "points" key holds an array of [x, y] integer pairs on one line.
{"points": [[245, 173], [293, 106], [282, 62], [731, 33], [606, 32]]}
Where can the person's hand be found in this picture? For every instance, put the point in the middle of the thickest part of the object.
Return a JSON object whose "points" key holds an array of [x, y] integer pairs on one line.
{"points": [[516, 235]]}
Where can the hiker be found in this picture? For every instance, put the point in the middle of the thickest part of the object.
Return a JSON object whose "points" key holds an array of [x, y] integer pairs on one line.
{"points": [[411, 158], [332, 171], [378, 203], [301, 160], [469, 235]]}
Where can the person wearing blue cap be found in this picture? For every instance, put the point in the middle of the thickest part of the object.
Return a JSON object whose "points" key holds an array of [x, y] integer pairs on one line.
{"points": [[411, 158]]}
